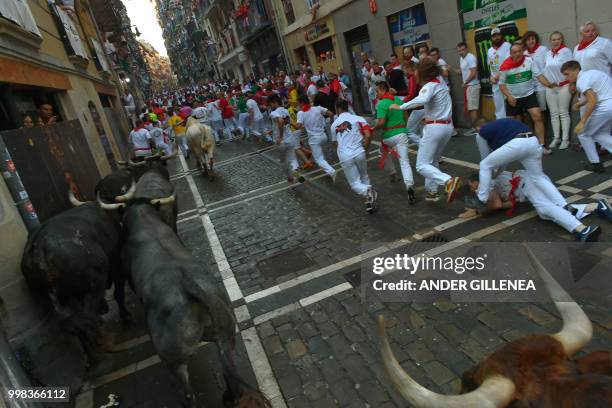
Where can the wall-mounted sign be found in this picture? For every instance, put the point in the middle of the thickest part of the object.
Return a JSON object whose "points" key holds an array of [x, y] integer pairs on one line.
{"points": [[69, 32], [317, 30], [483, 13], [409, 26], [19, 13]]}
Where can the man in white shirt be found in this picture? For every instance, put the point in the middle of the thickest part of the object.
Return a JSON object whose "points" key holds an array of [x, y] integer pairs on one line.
{"points": [[286, 140], [593, 51], [215, 119], [158, 137], [140, 140], [596, 119], [311, 86], [471, 84], [312, 119], [498, 53], [434, 54], [255, 115], [516, 77], [352, 134]]}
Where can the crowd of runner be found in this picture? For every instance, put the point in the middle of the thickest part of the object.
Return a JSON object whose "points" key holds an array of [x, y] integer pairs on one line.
{"points": [[411, 101]]}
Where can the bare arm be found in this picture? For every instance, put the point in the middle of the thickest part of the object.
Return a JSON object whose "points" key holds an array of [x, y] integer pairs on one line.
{"points": [[380, 123], [590, 107]]}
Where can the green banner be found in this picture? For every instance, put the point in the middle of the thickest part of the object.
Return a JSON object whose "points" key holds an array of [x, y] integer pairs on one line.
{"points": [[484, 13]]}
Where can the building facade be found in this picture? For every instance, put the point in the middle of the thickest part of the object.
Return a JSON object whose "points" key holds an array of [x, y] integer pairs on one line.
{"points": [[158, 67], [51, 58]]}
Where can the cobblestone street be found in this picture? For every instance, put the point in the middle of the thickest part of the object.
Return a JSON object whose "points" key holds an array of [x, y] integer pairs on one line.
{"points": [[290, 258]]}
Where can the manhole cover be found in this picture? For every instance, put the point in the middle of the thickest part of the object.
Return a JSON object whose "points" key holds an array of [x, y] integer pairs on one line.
{"points": [[284, 263]]}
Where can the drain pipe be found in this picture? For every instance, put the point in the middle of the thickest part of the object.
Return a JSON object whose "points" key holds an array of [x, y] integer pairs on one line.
{"points": [[16, 188]]}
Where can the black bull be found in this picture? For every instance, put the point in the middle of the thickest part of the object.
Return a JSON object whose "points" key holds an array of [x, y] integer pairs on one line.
{"points": [[182, 305], [70, 261]]}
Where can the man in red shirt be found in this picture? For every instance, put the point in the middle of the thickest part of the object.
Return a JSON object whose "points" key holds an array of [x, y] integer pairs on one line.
{"points": [[160, 112], [227, 113]]}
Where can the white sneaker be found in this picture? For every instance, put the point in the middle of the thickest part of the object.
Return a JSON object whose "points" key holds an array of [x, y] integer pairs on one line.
{"points": [[564, 145], [333, 176], [555, 142]]}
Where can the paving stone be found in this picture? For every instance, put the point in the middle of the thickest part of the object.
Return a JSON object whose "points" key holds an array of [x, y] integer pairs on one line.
{"points": [[537, 315], [485, 337], [319, 316], [355, 369], [290, 385], [273, 345], [318, 348], [444, 305], [280, 320], [343, 391], [299, 402], [473, 350], [315, 390], [493, 321], [296, 349], [353, 333], [450, 331], [307, 330], [373, 393], [328, 329], [340, 347], [438, 373], [325, 402], [353, 306], [331, 369], [416, 321]]}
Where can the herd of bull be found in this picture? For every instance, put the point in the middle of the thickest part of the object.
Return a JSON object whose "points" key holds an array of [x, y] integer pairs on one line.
{"points": [[129, 234]]}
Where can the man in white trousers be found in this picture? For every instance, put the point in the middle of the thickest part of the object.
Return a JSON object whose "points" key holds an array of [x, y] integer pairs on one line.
{"points": [[502, 142], [596, 119], [255, 116], [498, 53], [352, 135], [434, 96], [285, 140], [510, 188], [312, 119], [393, 125]]}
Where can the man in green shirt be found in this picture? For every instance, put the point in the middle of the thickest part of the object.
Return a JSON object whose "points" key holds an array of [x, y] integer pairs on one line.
{"points": [[243, 113], [395, 137]]}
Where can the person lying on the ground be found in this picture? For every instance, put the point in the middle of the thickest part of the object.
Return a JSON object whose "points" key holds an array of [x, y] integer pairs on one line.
{"points": [[510, 188]]}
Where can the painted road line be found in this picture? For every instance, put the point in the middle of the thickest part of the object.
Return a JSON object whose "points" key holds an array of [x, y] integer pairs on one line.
{"points": [[580, 174], [324, 294], [601, 187], [257, 357]]}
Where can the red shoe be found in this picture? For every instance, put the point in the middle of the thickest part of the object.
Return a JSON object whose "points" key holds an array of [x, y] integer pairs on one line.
{"points": [[307, 165]]}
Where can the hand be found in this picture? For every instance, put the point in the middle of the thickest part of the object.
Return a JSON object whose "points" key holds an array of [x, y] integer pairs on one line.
{"points": [[552, 85], [512, 101], [394, 107], [465, 85], [469, 213], [493, 80], [579, 127], [576, 106], [52, 119]]}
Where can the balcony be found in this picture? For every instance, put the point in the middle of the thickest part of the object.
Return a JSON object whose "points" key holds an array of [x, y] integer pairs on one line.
{"points": [[255, 22]]}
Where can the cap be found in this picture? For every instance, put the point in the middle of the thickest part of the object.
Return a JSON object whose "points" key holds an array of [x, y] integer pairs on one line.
{"points": [[495, 31]]}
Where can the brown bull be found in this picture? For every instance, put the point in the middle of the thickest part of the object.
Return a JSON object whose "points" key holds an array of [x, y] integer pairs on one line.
{"points": [[533, 371], [201, 143]]}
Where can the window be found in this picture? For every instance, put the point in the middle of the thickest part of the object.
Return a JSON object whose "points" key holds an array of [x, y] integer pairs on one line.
{"points": [[288, 10], [324, 50], [19, 13]]}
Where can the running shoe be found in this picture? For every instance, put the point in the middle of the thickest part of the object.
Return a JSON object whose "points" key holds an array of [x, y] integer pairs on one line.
{"points": [[564, 144], [307, 165], [297, 176], [604, 209], [432, 196], [451, 188], [595, 167], [411, 196], [590, 234]]}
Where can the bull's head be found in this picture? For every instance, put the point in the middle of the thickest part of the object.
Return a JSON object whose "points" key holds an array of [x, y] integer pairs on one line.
{"points": [[497, 386]]}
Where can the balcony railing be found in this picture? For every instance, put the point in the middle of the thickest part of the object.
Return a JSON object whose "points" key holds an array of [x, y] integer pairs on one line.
{"points": [[256, 19]]}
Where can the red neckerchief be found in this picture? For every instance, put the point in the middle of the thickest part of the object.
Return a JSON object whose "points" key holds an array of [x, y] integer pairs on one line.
{"points": [[583, 44], [387, 95], [509, 63], [533, 50], [556, 51], [305, 107], [514, 182], [386, 150], [312, 83], [137, 128], [435, 80]]}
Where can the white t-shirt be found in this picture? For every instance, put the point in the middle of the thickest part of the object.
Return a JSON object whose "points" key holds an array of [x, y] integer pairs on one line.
{"points": [[157, 134], [597, 55], [254, 107], [199, 112], [539, 58], [553, 63], [503, 186], [140, 140], [313, 120], [436, 100], [347, 132], [598, 81], [519, 80], [468, 62], [495, 57], [288, 137], [311, 91]]}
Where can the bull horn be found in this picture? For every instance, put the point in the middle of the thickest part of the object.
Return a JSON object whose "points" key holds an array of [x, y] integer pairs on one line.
{"points": [[106, 206], [73, 200], [137, 164], [128, 195], [577, 329], [495, 392], [171, 155], [162, 201]]}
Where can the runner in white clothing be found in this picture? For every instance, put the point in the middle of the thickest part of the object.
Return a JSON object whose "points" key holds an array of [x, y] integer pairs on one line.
{"points": [[596, 119], [435, 98], [158, 137], [352, 134], [286, 140], [312, 119], [255, 116], [499, 51], [140, 140]]}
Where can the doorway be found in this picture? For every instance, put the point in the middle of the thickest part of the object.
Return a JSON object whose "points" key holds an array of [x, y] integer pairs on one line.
{"points": [[358, 42]]}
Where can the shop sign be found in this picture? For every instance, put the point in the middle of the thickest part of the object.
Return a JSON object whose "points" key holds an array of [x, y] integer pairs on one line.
{"points": [[317, 30], [484, 13], [409, 26]]}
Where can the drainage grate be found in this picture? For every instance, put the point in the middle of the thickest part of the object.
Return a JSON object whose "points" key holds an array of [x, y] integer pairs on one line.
{"points": [[284, 263], [434, 237]]}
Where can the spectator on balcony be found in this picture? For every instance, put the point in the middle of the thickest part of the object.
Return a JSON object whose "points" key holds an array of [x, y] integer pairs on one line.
{"points": [[26, 121], [45, 115]]}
